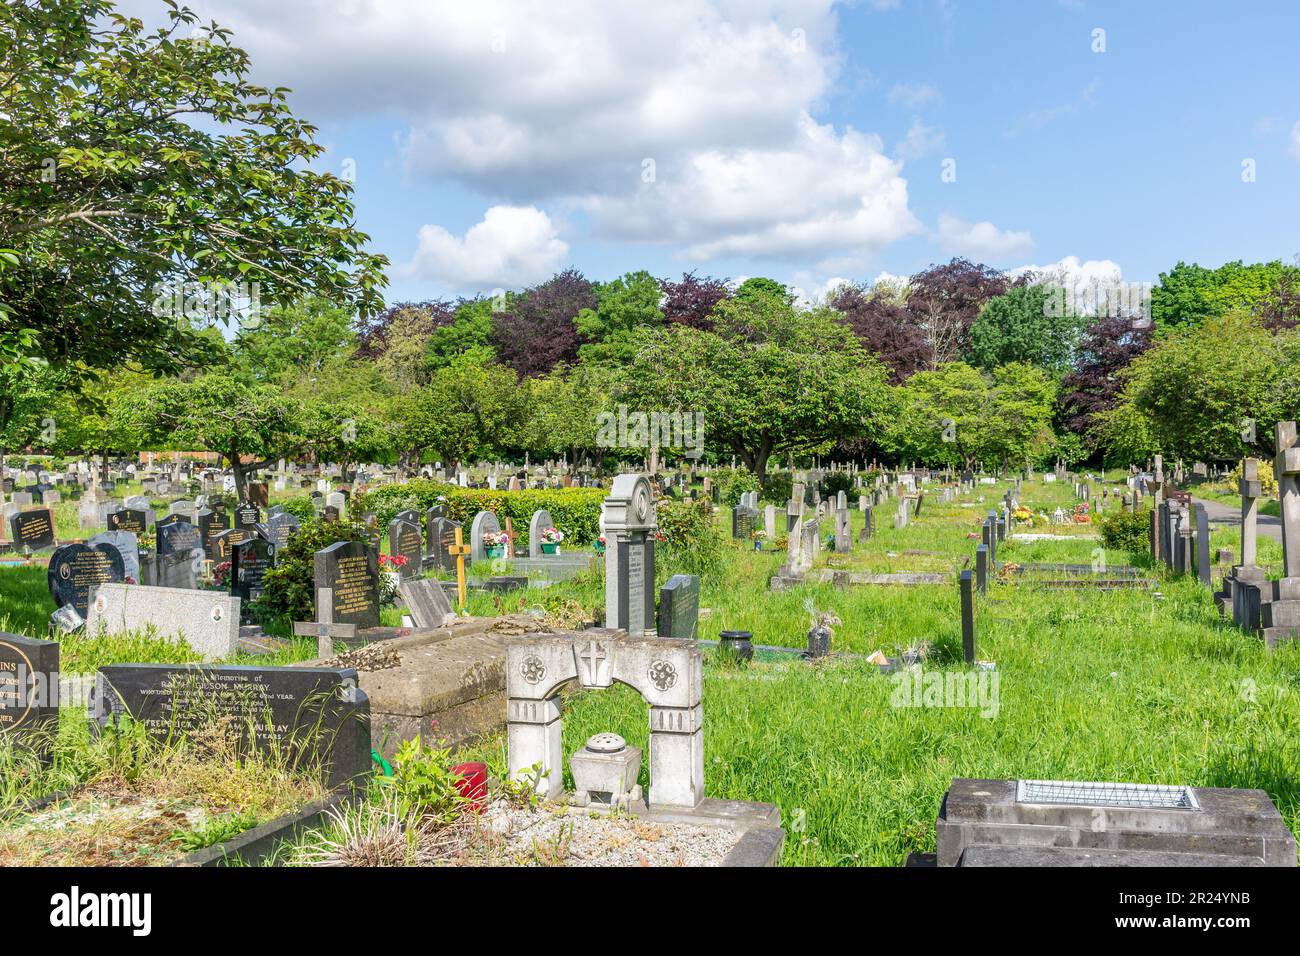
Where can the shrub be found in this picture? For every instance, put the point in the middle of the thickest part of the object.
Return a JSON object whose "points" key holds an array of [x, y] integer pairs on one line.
{"points": [[834, 482], [1267, 480], [575, 511], [289, 588], [1126, 530], [689, 543], [299, 506], [778, 486], [735, 484]]}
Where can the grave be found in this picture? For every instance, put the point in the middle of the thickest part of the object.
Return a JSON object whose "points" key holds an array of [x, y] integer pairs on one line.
{"points": [[29, 689], [484, 522], [76, 569], [207, 621], [32, 530], [1066, 823], [679, 607], [350, 571], [134, 520], [427, 601], [314, 716], [630, 523], [248, 566], [540, 521], [404, 540], [1280, 615], [127, 545]]}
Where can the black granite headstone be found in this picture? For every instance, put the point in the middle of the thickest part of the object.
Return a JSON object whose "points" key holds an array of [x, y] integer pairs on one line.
{"points": [[249, 562], [404, 540], [29, 688], [351, 571], [177, 536], [76, 568], [679, 607], [312, 717], [32, 530], [969, 647], [128, 519]]}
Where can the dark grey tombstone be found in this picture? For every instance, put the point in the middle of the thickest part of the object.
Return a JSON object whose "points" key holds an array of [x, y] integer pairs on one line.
{"points": [[315, 717], [211, 523], [350, 570], [404, 539], [250, 560], [29, 691], [75, 569], [982, 569], [679, 607], [32, 530], [442, 535], [177, 536], [127, 545], [280, 527], [867, 526], [969, 648], [743, 519], [225, 542], [247, 515], [133, 520]]}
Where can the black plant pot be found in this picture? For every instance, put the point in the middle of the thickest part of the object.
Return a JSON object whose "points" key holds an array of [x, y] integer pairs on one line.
{"points": [[738, 645]]}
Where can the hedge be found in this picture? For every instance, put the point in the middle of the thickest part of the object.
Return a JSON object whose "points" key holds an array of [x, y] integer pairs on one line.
{"points": [[575, 511]]}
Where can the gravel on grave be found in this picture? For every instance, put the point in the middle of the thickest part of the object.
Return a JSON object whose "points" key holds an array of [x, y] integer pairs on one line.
{"points": [[555, 835]]}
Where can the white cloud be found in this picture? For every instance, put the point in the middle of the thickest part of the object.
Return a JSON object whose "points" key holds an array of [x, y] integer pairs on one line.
{"points": [[1072, 273], [912, 95], [921, 140], [512, 247], [823, 192], [982, 240]]}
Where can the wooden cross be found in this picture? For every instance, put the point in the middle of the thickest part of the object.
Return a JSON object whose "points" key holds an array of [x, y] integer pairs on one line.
{"points": [[510, 538], [324, 630], [459, 550]]}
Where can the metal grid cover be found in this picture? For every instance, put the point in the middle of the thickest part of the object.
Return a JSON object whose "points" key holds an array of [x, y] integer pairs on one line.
{"points": [[1090, 794]]}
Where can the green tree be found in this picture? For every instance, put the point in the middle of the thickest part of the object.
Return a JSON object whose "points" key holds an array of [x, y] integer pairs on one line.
{"points": [[958, 415], [1190, 294], [768, 380], [1213, 391], [468, 335], [624, 307], [1030, 323], [133, 160]]}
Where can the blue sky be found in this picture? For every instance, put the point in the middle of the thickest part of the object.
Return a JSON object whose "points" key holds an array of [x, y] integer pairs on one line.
{"points": [[497, 142]]}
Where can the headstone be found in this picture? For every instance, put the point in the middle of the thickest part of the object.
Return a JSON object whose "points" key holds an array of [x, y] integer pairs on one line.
{"points": [[224, 543], [405, 540], [32, 530], [540, 521], [350, 571], [76, 569], [176, 536], [843, 531], [743, 520], [310, 716], [247, 516], [969, 647], [427, 601], [127, 545], [29, 689], [630, 524], [250, 561], [206, 620], [679, 607], [442, 536], [484, 522], [210, 524], [280, 527]]}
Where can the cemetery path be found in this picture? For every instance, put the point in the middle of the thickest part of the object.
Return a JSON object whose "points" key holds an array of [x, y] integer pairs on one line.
{"points": [[1266, 525]]}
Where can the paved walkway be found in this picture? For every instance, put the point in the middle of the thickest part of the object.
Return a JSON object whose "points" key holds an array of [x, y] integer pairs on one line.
{"points": [[1266, 526]]}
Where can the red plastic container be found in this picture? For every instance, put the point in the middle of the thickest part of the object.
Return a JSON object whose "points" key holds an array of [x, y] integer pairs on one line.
{"points": [[472, 783]]}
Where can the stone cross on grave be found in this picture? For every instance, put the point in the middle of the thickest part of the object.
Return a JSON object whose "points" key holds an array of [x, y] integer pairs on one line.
{"points": [[1250, 490], [324, 630], [1287, 469], [459, 550]]}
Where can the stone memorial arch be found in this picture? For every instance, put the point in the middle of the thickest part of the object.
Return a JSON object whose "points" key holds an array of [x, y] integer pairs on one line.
{"points": [[668, 674]]}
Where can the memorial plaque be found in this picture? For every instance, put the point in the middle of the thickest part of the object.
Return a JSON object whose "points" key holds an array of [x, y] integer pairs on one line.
{"points": [[350, 570], [280, 527], [211, 523], [314, 717], [32, 530], [75, 569], [427, 601], [679, 607], [442, 535], [29, 687]]}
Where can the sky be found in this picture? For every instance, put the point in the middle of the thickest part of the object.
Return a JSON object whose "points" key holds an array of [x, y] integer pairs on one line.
{"points": [[493, 143]]}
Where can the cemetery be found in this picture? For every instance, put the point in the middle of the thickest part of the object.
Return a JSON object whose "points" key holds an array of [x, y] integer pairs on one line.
{"points": [[630, 572]]}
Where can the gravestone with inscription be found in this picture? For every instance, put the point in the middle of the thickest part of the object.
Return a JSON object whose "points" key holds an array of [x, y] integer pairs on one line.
{"points": [[280, 527], [313, 717], [211, 523], [32, 530], [404, 540], [127, 545], [75, 569], [630, 524], [427, 601], [250, 561], [679, 607], [134, 520], [224, 543], [442, 535], [350, 571], [207, 621], [247, 515], [29, 689], [177, 536]]}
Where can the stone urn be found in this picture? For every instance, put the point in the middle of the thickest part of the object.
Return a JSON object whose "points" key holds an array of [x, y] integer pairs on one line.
{"points": [[605, 772]]}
